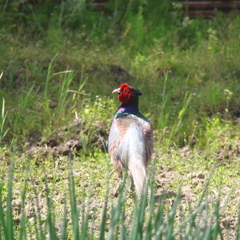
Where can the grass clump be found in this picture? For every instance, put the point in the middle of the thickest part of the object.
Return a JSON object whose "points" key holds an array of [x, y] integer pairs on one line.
{"points": [[154, 219]]}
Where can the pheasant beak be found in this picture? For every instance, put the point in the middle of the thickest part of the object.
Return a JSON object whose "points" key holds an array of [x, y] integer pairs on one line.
{"points": [[118, 90]]}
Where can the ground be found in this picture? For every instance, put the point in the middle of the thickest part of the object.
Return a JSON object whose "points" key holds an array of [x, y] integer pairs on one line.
{"points": [[179, 173]]}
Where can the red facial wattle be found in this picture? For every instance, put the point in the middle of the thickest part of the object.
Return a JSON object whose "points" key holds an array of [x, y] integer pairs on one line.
{"points": [[125, 94], [124, 97]]}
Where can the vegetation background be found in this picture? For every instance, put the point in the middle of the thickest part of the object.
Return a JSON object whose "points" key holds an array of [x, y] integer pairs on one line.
{"points": [[60, 61]]}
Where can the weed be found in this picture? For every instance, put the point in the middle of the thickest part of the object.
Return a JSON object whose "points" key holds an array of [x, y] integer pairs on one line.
{"points": [[3, 131]]}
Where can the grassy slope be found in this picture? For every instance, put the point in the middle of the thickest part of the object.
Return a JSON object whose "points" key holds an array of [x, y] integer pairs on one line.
{"points": [[191, 94]]}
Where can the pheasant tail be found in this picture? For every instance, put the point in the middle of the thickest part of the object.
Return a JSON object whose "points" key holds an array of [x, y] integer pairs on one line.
{"points": [[138, 172]]}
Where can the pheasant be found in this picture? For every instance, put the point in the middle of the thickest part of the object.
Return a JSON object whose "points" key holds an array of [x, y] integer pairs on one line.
{"points": [[130, 141]]}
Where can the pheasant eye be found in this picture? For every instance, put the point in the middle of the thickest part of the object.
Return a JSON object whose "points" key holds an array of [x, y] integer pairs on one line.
{"points": [[127, 91]]}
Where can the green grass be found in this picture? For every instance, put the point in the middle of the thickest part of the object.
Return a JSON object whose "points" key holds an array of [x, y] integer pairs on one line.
{"points": [[48, 210], [59, 65]]}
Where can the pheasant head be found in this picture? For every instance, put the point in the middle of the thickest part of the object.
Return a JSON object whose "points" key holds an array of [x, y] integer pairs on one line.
{"points": [[126, 93]]}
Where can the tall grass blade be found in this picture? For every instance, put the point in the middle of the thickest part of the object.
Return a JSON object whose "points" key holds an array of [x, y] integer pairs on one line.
{"points": [[149, 225], [238, 225], [123, 225], [3, 132], [40, 232], [3, 226], [35, 222], [46, 90], [50, 216], [171, 217], [63, 227], [217, 230], [140, 208], [116, 211], [63, 91], [9, 214], [73, 204], [161, 118], [104, 219], [22, 235], [6, 218], [84, 224]]}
